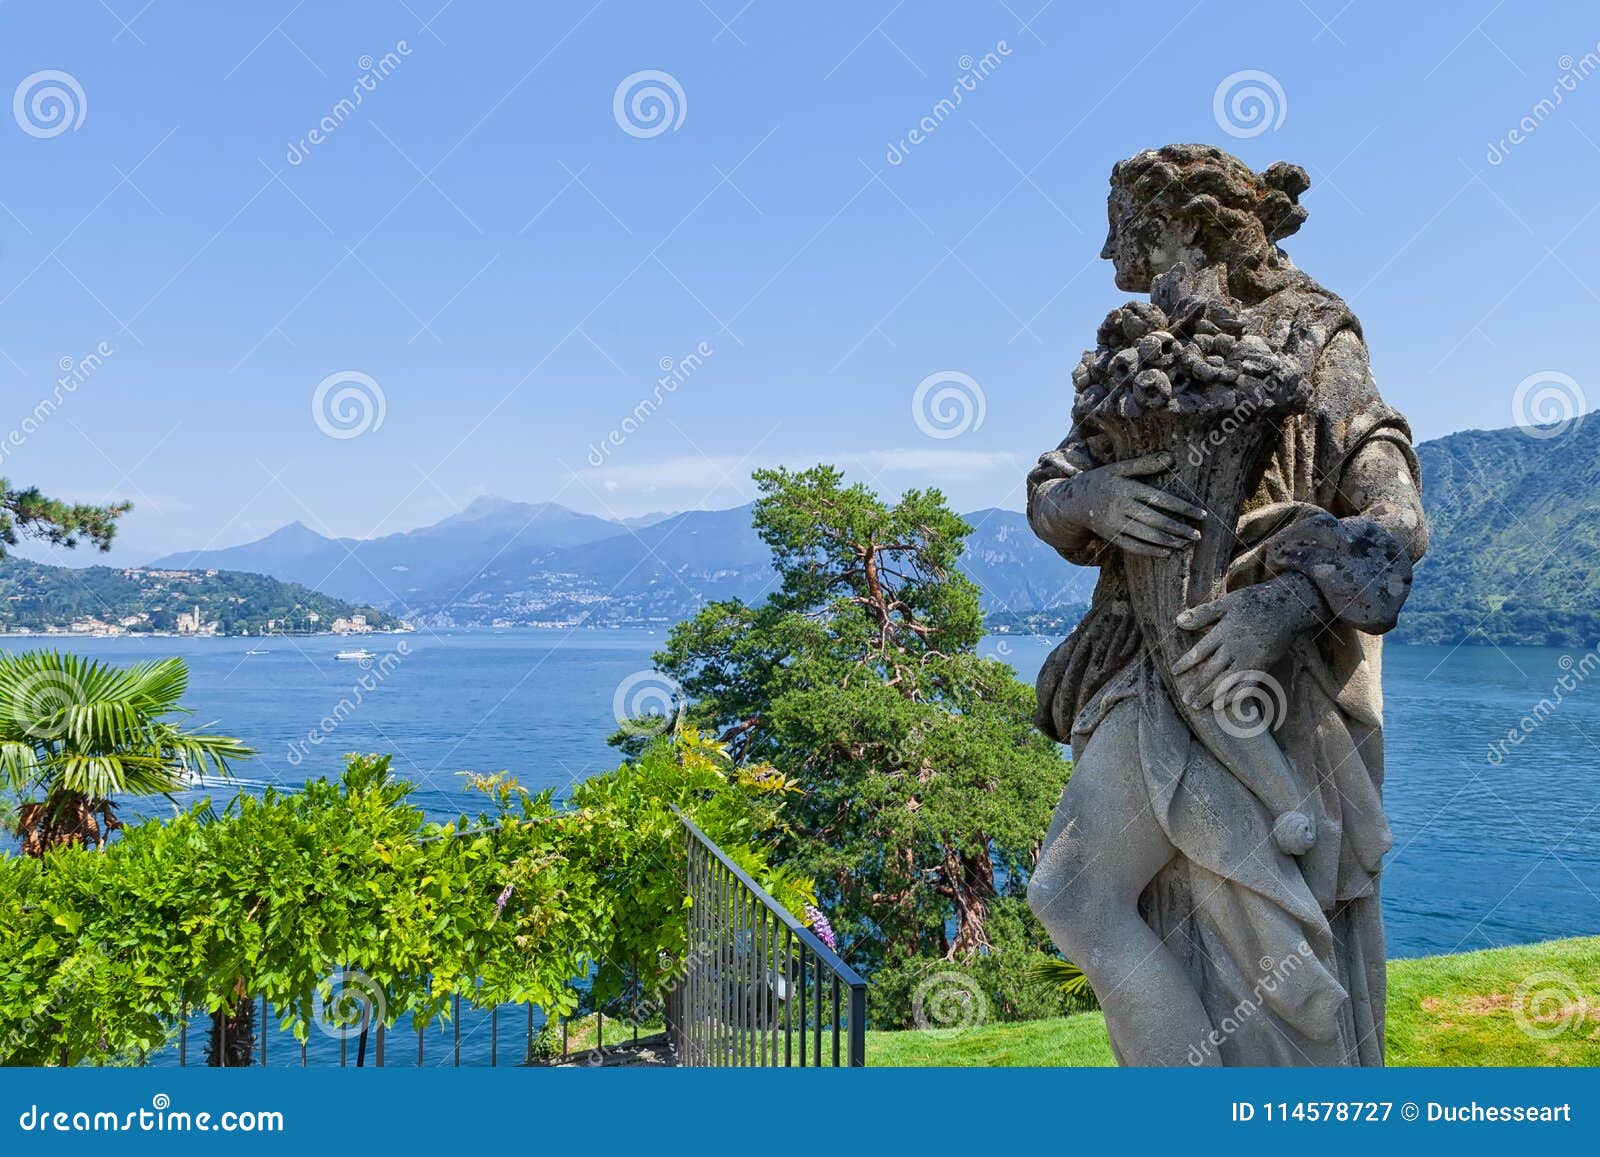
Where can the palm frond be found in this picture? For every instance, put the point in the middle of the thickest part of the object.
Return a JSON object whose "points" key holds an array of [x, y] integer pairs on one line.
{"points": [[1054, 972], [86, 728]]}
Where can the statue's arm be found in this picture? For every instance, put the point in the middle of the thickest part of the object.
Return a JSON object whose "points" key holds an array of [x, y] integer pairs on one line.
{"points": [[1379, 487], [1358, 557], [1049, 491]]}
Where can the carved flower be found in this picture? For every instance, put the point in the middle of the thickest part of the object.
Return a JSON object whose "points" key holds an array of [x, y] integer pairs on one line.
{"points": [[1199, 361]]}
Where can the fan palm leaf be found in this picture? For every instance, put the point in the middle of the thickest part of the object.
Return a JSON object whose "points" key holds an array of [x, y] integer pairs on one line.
{"points": [[79, 732], [1053, 972]]}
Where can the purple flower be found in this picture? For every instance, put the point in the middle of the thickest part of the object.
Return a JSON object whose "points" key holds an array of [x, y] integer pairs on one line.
{"points": [[819, 924], [500, 903]]}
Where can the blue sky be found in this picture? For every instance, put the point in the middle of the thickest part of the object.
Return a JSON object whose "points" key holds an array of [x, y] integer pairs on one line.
{"points": [[509, 266]]}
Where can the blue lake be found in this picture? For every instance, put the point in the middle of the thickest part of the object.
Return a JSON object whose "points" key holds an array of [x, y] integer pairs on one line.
{"points": [[1486, 853]]}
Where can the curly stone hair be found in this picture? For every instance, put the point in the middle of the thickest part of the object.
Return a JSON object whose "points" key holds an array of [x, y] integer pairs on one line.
{"points": [[1238, 215]]}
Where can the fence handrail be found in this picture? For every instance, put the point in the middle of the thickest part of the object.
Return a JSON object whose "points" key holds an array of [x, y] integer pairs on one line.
{"points": [[847, 975]]}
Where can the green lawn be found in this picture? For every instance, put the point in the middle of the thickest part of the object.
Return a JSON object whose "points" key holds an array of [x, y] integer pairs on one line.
{"points": [[1443, 1010]]}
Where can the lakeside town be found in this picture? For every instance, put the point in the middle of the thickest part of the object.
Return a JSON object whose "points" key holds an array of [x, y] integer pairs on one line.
{"points": [[105, 602]]}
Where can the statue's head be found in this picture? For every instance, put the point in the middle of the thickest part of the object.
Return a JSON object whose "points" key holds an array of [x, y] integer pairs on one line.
{"points": [[1200, 205]]}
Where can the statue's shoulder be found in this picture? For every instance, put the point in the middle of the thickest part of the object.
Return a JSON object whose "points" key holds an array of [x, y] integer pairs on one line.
{"points": [[1304, 317]]}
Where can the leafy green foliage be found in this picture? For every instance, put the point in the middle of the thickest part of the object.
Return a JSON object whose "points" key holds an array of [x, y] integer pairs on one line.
{"points": [[27, 512], [1008, 975], [75, 733], [99, 952], [1062, 974], [926, 787]]}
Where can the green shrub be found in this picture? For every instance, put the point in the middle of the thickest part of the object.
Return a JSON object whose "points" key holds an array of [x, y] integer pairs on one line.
{"points": [[996, 985]]}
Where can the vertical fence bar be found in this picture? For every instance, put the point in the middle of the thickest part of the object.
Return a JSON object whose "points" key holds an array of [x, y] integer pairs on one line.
{"points": [[761, 990], [835, 1022], [714, 976], [685, 1023], [266, 1024], [774, 991], [858, 1025], [695, 1023], [380, 1042], [422, 1031], [741, 960], [691, 951], [801, 1005], [455, 1021], [752, 973], [747, 1007], [816, 1051], [183, 1034], [494, 1035], [724, 1039], [735, 974]]}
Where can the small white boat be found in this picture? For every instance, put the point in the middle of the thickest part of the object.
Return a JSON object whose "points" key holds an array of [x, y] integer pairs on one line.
{"points": [[258, 652], [360, 654]]}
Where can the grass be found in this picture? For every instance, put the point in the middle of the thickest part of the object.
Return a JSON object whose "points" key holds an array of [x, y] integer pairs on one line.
{"points": [[1443, 1010]]}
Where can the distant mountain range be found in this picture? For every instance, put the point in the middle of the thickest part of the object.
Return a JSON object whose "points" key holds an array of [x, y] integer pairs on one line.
{"points": [[397, 567], [1515, 557], [539, 564]]}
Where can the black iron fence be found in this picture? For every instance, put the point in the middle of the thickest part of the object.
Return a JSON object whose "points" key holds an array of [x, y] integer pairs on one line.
{"points": [[472, 1035], [760, 988]]}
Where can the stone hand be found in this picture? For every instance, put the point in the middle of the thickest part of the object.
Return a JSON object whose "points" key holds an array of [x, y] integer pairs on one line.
{"points": [[1245, 633], [1134, 516]]}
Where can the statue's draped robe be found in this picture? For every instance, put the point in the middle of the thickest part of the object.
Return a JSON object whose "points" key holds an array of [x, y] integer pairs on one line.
{"points": [[1286, 952]]}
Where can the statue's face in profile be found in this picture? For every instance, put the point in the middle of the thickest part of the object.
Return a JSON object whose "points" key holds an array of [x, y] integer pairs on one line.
{"points": [[1141, 243]]}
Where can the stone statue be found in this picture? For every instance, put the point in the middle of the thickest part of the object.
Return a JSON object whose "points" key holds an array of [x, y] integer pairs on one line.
{"points": [[1254, 509]]}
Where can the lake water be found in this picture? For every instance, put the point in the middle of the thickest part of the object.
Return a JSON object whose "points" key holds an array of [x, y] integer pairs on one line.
{"points": [[1486, 853]]}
